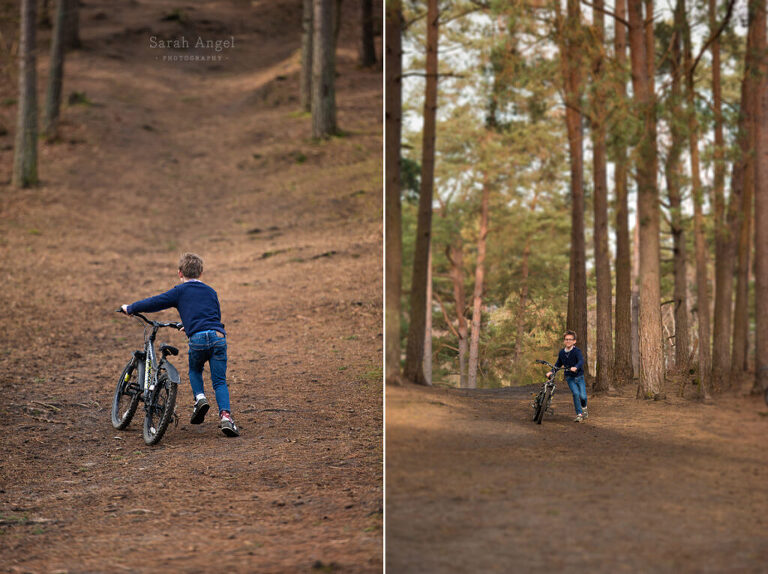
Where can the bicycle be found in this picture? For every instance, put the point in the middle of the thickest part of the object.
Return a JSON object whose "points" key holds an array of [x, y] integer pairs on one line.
{"points": [[543, 400], [146, 379]]}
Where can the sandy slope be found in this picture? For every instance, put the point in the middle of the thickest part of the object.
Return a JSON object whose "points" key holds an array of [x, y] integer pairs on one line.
{"points": [[208, 157]]}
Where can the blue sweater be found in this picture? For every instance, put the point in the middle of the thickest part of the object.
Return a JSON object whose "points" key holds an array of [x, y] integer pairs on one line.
{"points": [[573, 358], [198, 306]]}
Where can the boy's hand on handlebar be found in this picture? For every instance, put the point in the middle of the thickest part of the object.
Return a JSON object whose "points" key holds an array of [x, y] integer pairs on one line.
{"points": [[124, 309], [549, 374], [574, 369]]}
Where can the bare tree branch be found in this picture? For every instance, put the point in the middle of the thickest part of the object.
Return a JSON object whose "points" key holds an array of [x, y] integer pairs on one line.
{"points": [[714, 37], [445, 315], [606, 12], [425, 75]]}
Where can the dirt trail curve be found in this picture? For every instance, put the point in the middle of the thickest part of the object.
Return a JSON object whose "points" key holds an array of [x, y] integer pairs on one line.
{"points": [[164, 157], [473, 485]]}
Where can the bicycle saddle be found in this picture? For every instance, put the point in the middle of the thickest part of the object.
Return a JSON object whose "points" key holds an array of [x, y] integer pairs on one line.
{"points": [[168, 350]]}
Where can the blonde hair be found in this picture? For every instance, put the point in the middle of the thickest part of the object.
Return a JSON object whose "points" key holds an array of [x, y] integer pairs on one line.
{"points": [[191, 265]]}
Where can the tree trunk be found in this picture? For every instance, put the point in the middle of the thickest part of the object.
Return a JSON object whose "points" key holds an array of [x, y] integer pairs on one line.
{"points": [[740, 353], [25, 152], [415, 347], [323, 71], [393, 217], [45, 14], [456, 258], [477, 303], [56, 75], [367, 47], [305, 80], [721, 344], [427, 363], [702, 291], [623, 355], [650, 331], [336, 23], [570, 44], [761, 207], [604, 336], [524, 272], [674, 175], [636, 300], [736, 219], [72, 27]]}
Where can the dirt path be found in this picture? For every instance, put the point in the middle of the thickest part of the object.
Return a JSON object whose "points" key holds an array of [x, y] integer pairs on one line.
{"points": [[212, 158], [673, 486]]}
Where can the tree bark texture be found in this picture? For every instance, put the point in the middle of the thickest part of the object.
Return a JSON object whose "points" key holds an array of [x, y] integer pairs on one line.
{"points": [[650, 331], [367, 46], [674, 176], [721, 340], [323, 71], [305, 80], [477, 302], [427, 362], [761, 207], [570, 40], [55, 76], [25, 151], [604, 330], [623, 352], [413, 370], [72, 28], [456, 258], [393, 213], [728, 239]]}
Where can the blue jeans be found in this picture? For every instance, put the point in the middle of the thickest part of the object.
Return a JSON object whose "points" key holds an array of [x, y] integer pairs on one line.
{"points": [[211, 347], [579, 390]]}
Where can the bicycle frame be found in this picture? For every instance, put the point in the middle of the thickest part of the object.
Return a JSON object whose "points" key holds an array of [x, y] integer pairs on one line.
{"points": [[148, 364], [151, 379], [547, 390]]}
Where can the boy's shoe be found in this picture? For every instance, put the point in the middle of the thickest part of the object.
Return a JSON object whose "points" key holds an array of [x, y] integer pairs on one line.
{"points": [[584, 413], [578, 418], [228, 426], [198, 413]]}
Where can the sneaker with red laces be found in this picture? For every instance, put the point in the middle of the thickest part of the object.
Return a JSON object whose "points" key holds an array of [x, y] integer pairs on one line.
{"points": [[227, 425]]}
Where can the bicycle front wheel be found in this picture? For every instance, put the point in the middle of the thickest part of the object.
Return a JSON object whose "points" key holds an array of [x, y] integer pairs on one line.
{"points": [[159, 409], [543, 406], [126, 396]]}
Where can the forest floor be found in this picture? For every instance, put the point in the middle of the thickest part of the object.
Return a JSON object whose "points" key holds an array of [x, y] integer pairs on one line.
{"points": [[473, 485], [156, 158]]}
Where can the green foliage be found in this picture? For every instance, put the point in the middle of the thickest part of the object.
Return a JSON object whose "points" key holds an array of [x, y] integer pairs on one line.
{"points": [[410, 177], [79, 99], [501, 126]]}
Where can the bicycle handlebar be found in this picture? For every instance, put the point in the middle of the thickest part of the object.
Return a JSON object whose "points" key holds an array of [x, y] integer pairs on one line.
{"points": [[555, 369], [175, 325]]}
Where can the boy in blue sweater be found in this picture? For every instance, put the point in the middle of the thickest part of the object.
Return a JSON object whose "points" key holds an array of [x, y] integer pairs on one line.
{"points": [[571, 358], [200, 313]]}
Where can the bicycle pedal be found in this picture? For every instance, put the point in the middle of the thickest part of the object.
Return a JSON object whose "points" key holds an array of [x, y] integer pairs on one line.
{"points": [[175, 418]]}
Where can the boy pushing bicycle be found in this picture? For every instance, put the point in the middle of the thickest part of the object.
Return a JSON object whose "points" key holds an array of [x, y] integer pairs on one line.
{"points": [[200, 312], [572, 359]]}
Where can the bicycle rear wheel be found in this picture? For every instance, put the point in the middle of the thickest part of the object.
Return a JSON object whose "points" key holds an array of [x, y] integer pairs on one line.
{"points": [[543, 406], [126, 397], [159, 409]]}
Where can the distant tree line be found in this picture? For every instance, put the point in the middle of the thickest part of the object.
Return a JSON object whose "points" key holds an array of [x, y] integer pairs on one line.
{"points": [[685, 296]]}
